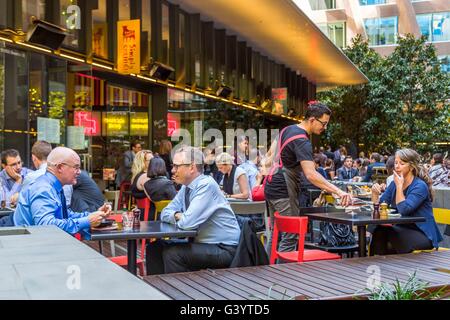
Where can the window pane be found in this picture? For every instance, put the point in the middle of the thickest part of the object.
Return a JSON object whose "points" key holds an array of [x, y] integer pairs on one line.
{"points": [[370, 2], [70, 18], [165, 33], [3, 4], [146, 35], [441, 26], [124, 9], [445, 63], [30, 8], [322, 4], [381, 31], [100, 31], [424, 22]]}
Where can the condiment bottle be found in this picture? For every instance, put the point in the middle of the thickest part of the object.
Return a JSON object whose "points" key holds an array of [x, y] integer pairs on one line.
{"points": [[136, 220], [376, 211], [383, 210]]}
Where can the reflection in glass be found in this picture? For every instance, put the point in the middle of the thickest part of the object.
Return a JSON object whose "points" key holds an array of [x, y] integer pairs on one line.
{"points": [[445, 63], [69, 18], [30, 8], [165, 33], [146, 35], [436, 26], [381, 31], [371, 2], [100, 31], [124, 9], [335, 32]]}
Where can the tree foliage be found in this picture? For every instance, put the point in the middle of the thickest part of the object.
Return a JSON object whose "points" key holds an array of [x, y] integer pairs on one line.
{"points": [[405, 102]]}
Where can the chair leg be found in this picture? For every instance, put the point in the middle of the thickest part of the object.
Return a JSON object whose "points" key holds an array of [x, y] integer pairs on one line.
{"points": [[113, 248]]}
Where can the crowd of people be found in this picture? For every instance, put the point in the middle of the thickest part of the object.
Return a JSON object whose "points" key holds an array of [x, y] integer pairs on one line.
{"points": [[200, 185]]}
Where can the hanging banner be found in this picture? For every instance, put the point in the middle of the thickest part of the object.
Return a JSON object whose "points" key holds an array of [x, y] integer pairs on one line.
{"points": [[129, 46], [279, 98]]}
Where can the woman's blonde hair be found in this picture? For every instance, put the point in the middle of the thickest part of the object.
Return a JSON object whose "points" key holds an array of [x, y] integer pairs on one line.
{"points": [[412, 158], [139, 163], [225, 158]]}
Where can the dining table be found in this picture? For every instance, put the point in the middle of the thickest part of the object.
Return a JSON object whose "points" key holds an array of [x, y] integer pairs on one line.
{"points": [[361, 219], [147, 230]]}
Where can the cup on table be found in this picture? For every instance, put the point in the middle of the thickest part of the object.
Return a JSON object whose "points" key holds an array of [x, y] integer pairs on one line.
{"points": [[127, 220]]}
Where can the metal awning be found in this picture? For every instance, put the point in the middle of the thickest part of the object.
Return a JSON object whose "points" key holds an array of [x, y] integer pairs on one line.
{"points": [[281, 30]]}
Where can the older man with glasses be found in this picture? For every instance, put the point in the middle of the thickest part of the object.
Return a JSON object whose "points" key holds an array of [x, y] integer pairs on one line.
{"points": [[42, 202], [12, 176]]}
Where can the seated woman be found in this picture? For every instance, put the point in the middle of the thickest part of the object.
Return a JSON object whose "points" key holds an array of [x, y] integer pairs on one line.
{"points": [[410, 194], [329, 169], [138, 178], [159, 187], [235, 182]]}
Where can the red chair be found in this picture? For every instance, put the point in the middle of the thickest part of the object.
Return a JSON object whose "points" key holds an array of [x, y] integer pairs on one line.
{"points": [[124, 198], [123, 260], [296, 225]]}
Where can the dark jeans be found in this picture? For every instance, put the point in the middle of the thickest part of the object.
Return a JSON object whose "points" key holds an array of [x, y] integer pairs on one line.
{"points": [[181, 256], [398, 239], [7, 221]]}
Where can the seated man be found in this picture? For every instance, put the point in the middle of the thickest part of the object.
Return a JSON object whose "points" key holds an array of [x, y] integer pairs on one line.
{"points": [[199, 205], [42, 202], [12, 176], [347, 172]]}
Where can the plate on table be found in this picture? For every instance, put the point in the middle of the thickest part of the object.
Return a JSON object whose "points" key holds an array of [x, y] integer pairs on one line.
{"points": [[114, 226], [106, 224], [393, 213]]}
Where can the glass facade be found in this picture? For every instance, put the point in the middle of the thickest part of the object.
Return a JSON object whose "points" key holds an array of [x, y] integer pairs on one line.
{"points": [[100, 30], [336, 32], [70, 18], [124, 9], [146, 34], [435, 26], [445, 63], [381, 31], [3, 13], [165, 34], [322, 4], [31, 8], [371, 2]]}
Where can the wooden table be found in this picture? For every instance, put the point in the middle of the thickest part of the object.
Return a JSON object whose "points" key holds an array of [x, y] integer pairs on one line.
{"points": [[149, 229], [360, 220], [311, 280]]}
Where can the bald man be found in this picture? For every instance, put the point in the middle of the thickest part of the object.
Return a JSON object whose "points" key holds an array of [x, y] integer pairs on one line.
{"points": [[42, 202]]}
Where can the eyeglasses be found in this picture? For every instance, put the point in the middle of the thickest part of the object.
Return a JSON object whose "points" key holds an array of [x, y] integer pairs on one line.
{"points": [[324, 124], [76, 167], [176, 166]]}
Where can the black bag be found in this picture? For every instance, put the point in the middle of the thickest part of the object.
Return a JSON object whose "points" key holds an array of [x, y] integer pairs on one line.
{"points": [[336, 235]]}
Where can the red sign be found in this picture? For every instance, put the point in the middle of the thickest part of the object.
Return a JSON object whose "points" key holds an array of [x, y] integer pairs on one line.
{"points": [[89, 120], [173, 123]]}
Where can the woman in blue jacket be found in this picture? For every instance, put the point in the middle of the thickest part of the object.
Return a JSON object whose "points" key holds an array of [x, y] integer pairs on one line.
{"points": [[411, 195]]}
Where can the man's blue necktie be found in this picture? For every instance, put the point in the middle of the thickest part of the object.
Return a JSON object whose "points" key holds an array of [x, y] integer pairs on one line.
{"points": [[63, 203], [187, 201]]}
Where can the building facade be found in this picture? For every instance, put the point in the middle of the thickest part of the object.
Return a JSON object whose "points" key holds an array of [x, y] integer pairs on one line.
{"points": [[381, 21], [97, 92]]}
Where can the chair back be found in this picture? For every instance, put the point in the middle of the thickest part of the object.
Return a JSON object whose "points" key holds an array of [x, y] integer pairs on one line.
{"points": [[248, 207], [143, 204], [159, 206], [295, 225], [114, 197], [123, 197]]}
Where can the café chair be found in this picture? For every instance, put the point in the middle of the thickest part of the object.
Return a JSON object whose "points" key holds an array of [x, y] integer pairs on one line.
{"points": [[441, 216], [124, 196], [299, 226], [159, 206]]}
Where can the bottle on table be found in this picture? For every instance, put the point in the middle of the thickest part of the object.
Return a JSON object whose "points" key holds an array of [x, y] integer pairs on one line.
{"points": [[376, 211]]}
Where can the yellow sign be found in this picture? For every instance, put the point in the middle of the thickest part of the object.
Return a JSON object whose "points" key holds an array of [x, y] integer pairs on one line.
{"points": [[129, 46], [139, 124], [115, 124]]}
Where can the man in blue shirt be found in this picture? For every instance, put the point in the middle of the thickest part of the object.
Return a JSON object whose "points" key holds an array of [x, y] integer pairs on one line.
{"points": [[42, 202], [375, 161], [12, 176], [199, 205]]}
